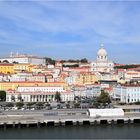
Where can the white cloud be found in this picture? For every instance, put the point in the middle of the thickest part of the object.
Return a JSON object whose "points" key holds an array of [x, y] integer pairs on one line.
{"points": [[94, 22]]}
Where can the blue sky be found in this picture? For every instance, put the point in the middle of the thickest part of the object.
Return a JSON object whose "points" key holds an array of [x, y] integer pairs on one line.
{"points": [[71, 29]]}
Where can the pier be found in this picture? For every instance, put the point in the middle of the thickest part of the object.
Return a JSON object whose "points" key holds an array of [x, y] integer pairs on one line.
{"points": [[61, 118]]}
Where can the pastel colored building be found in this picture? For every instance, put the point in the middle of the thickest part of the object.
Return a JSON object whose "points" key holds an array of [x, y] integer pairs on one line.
{"points": [[86, 78], [27, 76], [22, 67], [89, 90], [127, 93], [131, 74], [38, 94], [13, 85], [6, 68]]}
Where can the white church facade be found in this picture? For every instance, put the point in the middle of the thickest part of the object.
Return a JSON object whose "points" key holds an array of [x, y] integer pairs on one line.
{"points": [[102, 64]]}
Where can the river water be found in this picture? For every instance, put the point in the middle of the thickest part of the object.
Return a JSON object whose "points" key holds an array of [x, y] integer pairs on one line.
{"points": [[117, 131]]}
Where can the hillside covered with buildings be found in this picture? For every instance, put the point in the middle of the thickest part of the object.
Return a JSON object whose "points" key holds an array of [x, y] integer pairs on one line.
{"points": [[27, 78]]}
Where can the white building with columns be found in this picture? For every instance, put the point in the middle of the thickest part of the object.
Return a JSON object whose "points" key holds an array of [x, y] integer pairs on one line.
{"points": [[102, 64], [38, 94]]}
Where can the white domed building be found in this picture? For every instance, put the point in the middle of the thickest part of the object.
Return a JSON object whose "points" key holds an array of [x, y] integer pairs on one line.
{"points": [[102, 64]]}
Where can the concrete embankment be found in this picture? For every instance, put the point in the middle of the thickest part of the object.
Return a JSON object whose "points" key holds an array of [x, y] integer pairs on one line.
{"points": [[53, 119]]}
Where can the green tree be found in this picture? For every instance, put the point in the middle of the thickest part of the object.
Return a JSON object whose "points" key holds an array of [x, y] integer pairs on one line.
{"points": [[71, 66], [127, 66], [2, 95], [19, 104], [84, 60], [103, 98], [39, 105], [49, 61], [10, 105], [137, 103], [76, 105], [29, 105], [57, 97]]}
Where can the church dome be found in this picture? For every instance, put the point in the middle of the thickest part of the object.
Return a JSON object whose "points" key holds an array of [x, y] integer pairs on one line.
{"points": [[102, 51]]}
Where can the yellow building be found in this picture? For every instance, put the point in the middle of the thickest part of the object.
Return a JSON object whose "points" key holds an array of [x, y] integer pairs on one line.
{"points": [[9, 68], [63, 84], [6, 68], [22, 67], [86, 78], [13, 85]]}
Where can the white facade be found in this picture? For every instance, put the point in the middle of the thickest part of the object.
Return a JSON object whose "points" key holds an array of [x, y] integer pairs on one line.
{"points": [[102, 64], [131, 75], [127, 93], [41, 89], [71, 79], [26, 77], [87, 91], [4, 77], [37, 96], [25, 59], [104, 76]]}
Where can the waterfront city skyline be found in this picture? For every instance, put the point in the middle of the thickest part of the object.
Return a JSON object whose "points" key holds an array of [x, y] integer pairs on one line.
{"points": [[71, 30]]}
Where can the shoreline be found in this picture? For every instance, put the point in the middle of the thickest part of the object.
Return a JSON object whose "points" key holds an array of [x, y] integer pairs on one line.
{"points": [[55, 118]]}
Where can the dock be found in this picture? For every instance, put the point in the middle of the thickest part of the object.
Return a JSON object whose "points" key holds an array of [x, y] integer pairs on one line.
{"points": [[61, 118]]}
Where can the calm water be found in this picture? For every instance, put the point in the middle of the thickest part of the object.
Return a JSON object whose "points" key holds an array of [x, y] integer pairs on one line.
{"points": [[127, 131]]}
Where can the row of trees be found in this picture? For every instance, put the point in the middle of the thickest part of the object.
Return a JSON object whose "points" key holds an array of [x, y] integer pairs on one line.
{"points": [[20, 105], [72, 66], [127, 66], [83, 60], [52, 61]]}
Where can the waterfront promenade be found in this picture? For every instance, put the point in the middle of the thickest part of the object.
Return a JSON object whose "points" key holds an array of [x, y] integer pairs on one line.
{"points": [[60, 117]]}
